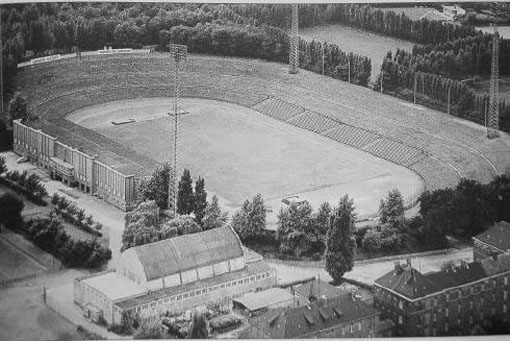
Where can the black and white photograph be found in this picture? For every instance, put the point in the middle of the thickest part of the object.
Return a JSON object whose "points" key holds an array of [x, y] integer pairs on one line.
{"points": [[268, 170]]}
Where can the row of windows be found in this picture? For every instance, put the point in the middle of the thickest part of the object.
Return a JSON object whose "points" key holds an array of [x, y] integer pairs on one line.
{"points": [[203, 291]]}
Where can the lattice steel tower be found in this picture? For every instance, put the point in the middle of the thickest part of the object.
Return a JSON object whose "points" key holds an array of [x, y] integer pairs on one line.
{"points": [[294, 41], [493, 115], [179, 52]]}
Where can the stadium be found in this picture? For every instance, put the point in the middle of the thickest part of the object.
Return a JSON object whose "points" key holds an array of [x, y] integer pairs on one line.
{"points": [[248, 126]]}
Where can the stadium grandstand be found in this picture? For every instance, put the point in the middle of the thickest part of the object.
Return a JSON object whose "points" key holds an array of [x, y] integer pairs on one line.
{"points": [[441, 149]]}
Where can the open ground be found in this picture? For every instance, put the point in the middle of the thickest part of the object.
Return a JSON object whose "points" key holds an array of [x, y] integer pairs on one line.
{"points": [[372, 45], [241, 152]]}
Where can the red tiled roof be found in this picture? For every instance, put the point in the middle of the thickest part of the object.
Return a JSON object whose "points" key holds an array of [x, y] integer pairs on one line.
{"points": [[497, 235]]}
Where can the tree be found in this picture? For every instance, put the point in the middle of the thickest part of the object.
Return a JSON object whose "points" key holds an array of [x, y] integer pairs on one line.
{"points": [[156, 188], [18, 107], [5, 137], [250, 221], [178, 226], [198, 328], [391, 210], [185, 194], [3, 166], [149, 329], [322, 220], [341, 245], [199, 200], [295, 228], [10, 210], [213, 217]]}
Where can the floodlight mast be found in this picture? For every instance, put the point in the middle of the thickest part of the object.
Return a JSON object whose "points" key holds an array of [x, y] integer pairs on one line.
{"points": [[294, 41], [179, 53], [493, 114]]}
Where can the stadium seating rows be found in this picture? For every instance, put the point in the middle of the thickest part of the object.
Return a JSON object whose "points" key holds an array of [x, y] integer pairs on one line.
{"points": [[436, 174], [59, 88], [395, 152], [351, 136], [278, 109], [313, 121]]}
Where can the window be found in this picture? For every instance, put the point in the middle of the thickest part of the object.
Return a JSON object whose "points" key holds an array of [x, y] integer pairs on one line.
{"points": [[471, 304], [185, 295], [197, 293], [481, 316], [204, 291], [222, 286], [351, 327], [234, 283], [228, 285], [400, 320], [359, 326], [434, 318], [258, 277], [179, 297], [446, 327], [504, 308], [459, 307], [505, 295], [447, 312], [506, 280], [240, 281], [401, 304]]}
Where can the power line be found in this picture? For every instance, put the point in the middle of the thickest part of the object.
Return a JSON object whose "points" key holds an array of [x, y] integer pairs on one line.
{"points": [[294, 41]]}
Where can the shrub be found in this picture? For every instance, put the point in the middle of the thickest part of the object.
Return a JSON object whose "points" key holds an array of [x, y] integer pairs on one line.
{"points": [[11, 206], [223, 322]]}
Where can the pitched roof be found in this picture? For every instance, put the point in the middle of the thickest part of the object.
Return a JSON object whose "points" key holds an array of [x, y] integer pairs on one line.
{"points": [[175, 255], [408, 282], [497, 235], [317, 288], [299, 322], [418, 285], [459, 275], [264, 299]]}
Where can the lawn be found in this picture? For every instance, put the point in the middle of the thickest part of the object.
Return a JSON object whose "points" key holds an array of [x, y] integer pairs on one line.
{"points": [[372, 45], [240, 152], [15, 264]]}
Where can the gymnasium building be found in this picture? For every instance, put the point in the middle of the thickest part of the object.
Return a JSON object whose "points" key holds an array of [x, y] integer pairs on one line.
{"points": [[175, 275]]}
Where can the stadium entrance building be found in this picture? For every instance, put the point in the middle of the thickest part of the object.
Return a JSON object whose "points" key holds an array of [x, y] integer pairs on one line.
{"points": [[76, 166], [175, 275]]}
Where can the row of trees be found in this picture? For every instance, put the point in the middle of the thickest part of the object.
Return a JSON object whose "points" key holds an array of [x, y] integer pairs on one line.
{"points": [[327, 232], [400, 76], [366, 17], [29, 185], [49, 235], [145, 224]]}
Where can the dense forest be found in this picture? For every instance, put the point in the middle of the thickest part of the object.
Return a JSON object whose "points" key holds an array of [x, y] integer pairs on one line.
{"points": [[47, 28]]}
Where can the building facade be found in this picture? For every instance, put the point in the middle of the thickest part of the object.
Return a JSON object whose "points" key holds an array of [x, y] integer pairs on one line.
{"points": [[74, 167], [175, 275], [449, 302], [493, 241]]}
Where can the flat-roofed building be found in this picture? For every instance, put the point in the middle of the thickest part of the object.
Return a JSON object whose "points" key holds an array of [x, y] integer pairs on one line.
{"points": [[259, 302], [176, 275]]}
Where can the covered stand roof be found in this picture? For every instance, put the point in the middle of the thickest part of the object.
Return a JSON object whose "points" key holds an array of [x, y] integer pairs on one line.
{"points": [[175, 255]]}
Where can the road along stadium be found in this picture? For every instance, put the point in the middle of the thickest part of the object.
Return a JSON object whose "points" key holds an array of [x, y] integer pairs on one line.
{"points": [[248, 126]]}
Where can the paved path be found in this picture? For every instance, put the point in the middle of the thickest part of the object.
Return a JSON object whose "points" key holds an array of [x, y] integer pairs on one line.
{"points": [[368, 273], [111, 217]]}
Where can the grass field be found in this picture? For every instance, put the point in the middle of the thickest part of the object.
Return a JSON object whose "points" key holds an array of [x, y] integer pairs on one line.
{"points": [[15, 264], [358, 41], [241, 152]]}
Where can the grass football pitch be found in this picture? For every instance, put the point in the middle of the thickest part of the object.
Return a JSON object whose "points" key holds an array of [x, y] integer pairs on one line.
{"points": [[241, 152]]}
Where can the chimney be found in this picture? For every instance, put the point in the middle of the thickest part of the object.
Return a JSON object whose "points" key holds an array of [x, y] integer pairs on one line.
{"points": [[397, 266], [408, 262]]}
